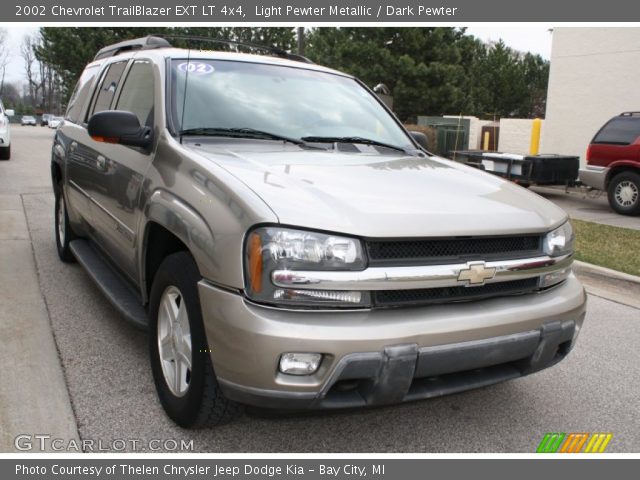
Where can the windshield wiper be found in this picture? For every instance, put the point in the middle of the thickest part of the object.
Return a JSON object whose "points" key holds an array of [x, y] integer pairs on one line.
{"points": [[242, 132], [364, 141]]}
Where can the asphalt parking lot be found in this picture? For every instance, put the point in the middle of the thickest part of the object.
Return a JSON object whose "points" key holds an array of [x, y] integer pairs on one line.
{"points": [[107, 374], [583, 204]]}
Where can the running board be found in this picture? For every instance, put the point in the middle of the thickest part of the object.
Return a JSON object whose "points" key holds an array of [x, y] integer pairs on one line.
{"points": [[110, 282]]}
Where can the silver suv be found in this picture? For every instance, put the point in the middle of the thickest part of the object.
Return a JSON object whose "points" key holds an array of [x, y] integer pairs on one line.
{"points": [[288, 244]]}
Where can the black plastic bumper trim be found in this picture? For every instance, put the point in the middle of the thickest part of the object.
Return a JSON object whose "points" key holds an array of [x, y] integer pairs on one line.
{"points": [[402, 373]]}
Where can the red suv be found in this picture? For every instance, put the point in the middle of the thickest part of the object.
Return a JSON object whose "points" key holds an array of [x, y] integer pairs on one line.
{"points": [[613, 162]]}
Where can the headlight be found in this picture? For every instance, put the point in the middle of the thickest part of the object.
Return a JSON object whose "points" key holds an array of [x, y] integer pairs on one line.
{"points": [[559, 241], [273, 248]]}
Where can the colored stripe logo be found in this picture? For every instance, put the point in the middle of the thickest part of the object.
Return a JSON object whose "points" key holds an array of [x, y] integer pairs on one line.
{"points": [[574, 443]]}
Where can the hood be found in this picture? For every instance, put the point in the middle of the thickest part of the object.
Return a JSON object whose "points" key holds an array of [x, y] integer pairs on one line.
{"points": [[369, 194]]}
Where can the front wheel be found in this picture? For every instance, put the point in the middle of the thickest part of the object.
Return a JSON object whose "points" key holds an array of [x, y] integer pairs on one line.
{"points": [[624, 193], [180, 359], [63, 232], [5, 153]]}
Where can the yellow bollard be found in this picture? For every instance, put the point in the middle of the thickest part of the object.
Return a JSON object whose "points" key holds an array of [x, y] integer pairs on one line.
{"points": [[535, 136], [485, 141]]}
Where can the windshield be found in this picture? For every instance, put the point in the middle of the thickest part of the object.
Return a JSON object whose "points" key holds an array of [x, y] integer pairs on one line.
{"points": [[284, 101]]}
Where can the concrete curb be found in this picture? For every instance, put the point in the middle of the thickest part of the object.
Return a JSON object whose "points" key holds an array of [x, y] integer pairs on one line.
{"points": [[609, 284], [591, 269], [33, 393]]}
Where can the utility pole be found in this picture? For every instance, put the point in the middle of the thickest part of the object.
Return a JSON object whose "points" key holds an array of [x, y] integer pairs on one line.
{"points": [[300, 40]]}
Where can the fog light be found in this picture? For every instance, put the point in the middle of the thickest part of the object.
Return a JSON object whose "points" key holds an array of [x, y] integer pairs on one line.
{"points": [[300, 363]]}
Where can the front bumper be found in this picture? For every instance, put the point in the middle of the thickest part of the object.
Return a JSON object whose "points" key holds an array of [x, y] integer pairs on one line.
{"points": [[375, 357], [5, 137]]}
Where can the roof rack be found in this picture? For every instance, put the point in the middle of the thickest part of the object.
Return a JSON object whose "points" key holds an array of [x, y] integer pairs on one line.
{"points": [[278, 52], [630, 114], [160, 41], [143, 43]]}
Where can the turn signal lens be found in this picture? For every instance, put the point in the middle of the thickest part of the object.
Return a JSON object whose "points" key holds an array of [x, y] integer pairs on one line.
{"points": [[255, 263]]}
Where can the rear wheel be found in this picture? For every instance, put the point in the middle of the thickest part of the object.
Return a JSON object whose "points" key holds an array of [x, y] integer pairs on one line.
{"points": [[624, 193], [63, 232], [180, 359]]}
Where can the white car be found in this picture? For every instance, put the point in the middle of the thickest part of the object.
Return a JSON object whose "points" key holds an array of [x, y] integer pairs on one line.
{"points": [[5, 132], [55, 122], [28, 120]]}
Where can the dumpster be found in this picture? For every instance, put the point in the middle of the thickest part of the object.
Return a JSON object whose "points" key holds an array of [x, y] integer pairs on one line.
{"points": [[452, 133], [546, 169]]}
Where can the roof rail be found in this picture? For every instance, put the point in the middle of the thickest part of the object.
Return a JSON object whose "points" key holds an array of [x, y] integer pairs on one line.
{"points": [[160, 41], [630, 114], [278, 52], [143, 43]]}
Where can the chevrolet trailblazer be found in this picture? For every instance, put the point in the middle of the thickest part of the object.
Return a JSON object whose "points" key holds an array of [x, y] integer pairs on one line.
{"points": [[288, 244]]}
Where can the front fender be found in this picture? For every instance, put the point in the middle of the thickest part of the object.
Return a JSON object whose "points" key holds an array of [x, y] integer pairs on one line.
{"points": [[175, 215]]}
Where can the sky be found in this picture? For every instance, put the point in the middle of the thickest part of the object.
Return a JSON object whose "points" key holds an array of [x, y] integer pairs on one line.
{"points": [[535, 39]]}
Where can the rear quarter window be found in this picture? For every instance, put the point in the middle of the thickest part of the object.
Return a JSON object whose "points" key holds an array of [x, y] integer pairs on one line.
{"points": [[619, 131]]}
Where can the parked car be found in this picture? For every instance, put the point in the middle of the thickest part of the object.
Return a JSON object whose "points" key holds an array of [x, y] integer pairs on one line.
{"points": [[55, 122], [613, 163], [28, 120], [5, 132], [288, 244], [44, 120]]}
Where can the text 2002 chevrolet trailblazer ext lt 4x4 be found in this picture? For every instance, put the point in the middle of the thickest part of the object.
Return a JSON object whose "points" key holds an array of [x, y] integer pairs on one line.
{"points": [[289, 244]]}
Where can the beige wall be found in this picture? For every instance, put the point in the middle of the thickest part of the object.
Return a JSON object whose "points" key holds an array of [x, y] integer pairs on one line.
{"points": [[515, 135], [595, 75]]}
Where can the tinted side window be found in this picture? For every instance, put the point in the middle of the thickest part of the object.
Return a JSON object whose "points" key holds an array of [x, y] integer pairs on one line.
{"points": [[107, 88], [137, 92], [80, 94], [619, 131]]}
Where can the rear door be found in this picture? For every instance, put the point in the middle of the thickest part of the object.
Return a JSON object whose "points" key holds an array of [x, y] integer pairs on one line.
{"points": [[67, 140], [619, 139], [82, 152]]}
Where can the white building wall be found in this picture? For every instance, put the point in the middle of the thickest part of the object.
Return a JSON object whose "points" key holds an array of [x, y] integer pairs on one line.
{"points": [[594, 76], [515, 135]]}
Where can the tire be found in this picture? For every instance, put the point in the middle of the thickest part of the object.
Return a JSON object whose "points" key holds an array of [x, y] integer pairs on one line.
{"points": [[624, 193], [190, 394], [63, 231], [5, 153]]}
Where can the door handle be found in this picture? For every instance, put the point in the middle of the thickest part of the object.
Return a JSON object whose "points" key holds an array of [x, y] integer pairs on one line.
{"points": [[101, 163]]}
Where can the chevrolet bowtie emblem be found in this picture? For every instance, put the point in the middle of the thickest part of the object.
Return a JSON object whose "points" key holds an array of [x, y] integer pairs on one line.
{"points": [[476, 274]]}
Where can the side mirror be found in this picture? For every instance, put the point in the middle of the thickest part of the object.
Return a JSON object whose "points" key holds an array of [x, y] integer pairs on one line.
{"points": [[117, 126], [10, 113], [421, 139]]}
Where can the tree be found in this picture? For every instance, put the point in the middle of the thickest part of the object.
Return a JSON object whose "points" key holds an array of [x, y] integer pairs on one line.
{"points": [[430, 71], [31, 71], [69, 49], [4, 58], [43, 81], [11, 96], [435, 71]]}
